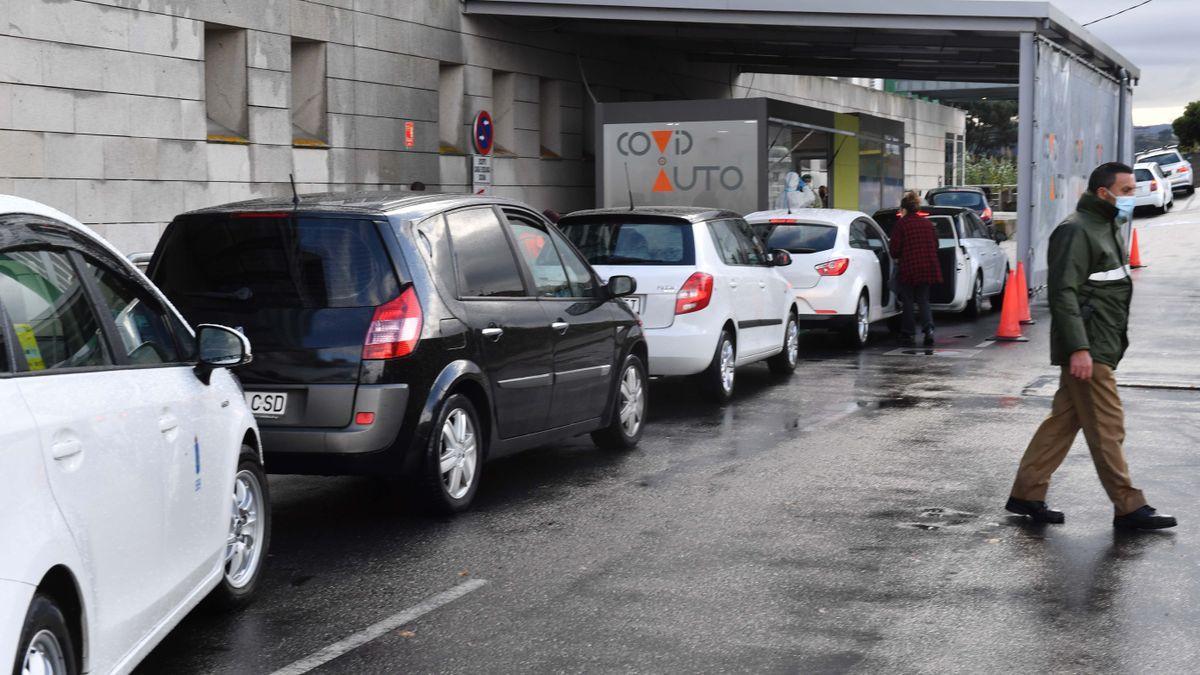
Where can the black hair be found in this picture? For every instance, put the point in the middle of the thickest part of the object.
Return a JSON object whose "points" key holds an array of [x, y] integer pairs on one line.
{"points": [[1106, 174]]}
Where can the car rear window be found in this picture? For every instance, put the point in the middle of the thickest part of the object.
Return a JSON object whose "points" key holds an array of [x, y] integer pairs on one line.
{"points": [[275, 261], [1142, 175], [1163, 158], [972, 200], [620, 241], [802, 237]]}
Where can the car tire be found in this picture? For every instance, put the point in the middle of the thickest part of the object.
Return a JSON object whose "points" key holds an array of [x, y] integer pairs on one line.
{"points": [[975, 305], [444, 492], [46, 644], [784, 363], [1191, 189], [629, 409], [857, 331], [249, 537], [718, 380]]}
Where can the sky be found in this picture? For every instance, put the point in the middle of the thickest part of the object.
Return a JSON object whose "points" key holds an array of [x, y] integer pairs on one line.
{"points": [[1161, 39]]}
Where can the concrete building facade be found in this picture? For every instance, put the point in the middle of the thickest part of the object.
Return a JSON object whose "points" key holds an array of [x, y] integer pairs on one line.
{"points": [[127, 112]]}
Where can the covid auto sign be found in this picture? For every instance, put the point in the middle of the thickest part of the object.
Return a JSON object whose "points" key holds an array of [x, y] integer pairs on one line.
{"points": [[709, 163]]}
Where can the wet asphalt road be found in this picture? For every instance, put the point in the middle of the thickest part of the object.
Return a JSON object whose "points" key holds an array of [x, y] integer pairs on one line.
{"points": [[847, 519]]}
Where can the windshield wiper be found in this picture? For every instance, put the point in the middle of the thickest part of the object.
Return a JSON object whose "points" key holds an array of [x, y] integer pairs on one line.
{"points": [[624, 259], [242, 294]]}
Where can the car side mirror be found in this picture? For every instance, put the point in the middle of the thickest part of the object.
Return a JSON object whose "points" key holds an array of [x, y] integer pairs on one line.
{"points": [[620, 285], [999, 236], [781, 258], [219, 347]]}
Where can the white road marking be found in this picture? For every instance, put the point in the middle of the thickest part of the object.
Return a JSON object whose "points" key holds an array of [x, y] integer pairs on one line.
{"points": [[986, 343], [362, 637]]}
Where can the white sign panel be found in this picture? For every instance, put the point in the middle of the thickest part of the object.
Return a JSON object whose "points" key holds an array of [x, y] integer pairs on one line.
{"points": [[709, 163], [481, 174]]}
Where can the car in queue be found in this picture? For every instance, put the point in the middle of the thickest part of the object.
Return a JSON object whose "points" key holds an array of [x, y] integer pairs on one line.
{"points": [[411, 336], [132, 476], [964, 196], [710, 296], [841, 269], [1174, 165], [974, 267], [1153, 189]]}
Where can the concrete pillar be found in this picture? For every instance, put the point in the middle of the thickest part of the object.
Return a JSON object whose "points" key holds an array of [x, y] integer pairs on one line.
{"points": [[1026, 116]]}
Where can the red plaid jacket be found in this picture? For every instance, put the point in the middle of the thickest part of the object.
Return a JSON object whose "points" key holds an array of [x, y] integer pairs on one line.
{"points": [[914, 242]]}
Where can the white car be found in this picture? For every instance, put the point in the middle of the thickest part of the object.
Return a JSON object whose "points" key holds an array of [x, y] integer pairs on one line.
{"points": [[974, 267], [131, 484], [1176, 169], [708, 293], [841, 269], [1153, 188]]}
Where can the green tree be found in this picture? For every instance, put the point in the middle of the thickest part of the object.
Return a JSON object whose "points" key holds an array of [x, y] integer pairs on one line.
{"points": [[992, 127], [1187, 126]]}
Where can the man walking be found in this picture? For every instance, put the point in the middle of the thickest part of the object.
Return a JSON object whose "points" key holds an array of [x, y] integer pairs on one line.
{"points": [[1089, 291], [915, 244]]}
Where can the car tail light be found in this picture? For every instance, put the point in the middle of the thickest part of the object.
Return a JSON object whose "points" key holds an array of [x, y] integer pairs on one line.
{"points": [[1182, 169], [1154, 186], [395, 328], [782, 220], [833, 268], [695, 294], [923, 214], [364, 418], [987, 213]]}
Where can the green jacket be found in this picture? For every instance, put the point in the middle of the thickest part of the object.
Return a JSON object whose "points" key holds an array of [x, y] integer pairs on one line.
{"points": [[1089, 285]]}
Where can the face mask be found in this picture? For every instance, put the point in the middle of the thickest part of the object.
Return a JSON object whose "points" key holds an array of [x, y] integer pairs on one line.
{"points": [[1125, 206]]}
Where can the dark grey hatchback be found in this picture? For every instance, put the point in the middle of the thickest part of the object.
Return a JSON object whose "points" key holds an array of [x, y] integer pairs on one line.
{"points": [[411, 336]]}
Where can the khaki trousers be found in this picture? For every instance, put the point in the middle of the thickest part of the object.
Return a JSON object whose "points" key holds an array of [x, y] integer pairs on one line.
{"points": [[1094, 407]]}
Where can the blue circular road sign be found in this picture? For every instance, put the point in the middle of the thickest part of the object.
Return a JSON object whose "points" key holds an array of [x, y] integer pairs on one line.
{"points": [[482, 133]]}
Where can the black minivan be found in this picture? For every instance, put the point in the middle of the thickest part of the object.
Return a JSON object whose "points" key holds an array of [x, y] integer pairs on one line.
{"points": [[413, 336]]}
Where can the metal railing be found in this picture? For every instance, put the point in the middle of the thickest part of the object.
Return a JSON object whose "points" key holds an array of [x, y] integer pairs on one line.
{"points": [[1000, 197]]}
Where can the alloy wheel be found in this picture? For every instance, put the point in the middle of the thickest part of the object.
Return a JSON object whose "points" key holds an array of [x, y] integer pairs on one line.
{"points": [[459, 454], [792, 343], [863, 318], [978, 292], [44, 655], [242, 549], [727, 366], [633, 401]]}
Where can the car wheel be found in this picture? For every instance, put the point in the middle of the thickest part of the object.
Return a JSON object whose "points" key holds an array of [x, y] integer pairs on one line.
{"points": [[249, 534], [45, 645], [1191, 189], [629, 413], [784, 363], [975, 305], [718, 379], [451, 472], [857, 331]]}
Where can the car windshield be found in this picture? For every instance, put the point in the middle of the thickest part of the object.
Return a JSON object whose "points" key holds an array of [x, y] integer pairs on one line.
{"points": [[1162, 159], [275, 261], [618, 241], [802, 237], [972, 200], [1142, 175]]}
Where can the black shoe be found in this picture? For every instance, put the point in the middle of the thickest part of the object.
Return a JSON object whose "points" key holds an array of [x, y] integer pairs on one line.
{"points": [[1145, 518], [929, 339], [1038, 511], [907, 341]]}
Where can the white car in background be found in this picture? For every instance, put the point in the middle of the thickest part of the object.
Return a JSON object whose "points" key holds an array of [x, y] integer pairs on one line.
{"points": [[841, 269], [1153, 188], [708, 292], [1176, 169], [131, 484]]}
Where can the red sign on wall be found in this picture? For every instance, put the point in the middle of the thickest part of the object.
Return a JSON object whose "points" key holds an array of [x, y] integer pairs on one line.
{"points": [[409, 139]]}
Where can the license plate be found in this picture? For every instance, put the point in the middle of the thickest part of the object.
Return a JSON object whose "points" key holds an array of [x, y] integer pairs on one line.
{"points": [[266, 404], [634, 302]]}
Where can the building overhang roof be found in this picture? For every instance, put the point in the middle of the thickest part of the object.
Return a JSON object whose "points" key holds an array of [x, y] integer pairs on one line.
{"points": [[909, 39]]}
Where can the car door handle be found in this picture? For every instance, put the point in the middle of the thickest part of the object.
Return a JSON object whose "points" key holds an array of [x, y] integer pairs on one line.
{"points": [[168, 423], [733, 284], [762, 284], [560, 326], [493, 333], [66, 448]]}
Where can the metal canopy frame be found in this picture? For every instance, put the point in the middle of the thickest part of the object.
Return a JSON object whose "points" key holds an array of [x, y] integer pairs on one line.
{"points": [[983, 41]]}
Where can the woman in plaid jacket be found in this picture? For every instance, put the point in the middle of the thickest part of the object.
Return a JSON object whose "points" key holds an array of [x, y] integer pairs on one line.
{"points": [[915, 244]]}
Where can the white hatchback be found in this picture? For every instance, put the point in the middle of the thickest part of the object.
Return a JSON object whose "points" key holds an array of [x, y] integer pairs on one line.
{"points": [[708, 292], [131, 484], [1153, 188], [841, 269]]}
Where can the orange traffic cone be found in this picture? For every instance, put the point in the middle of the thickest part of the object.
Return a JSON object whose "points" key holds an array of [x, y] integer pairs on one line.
{"points": [[1023, 296], [1010, 322], [1135, 258]]}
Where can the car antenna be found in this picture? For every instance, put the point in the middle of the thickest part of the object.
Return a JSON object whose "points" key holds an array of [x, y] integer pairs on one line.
{"points": [[628, 186], [295, 195]]}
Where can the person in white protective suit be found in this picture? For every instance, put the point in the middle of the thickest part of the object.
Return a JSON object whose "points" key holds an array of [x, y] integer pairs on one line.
{"points": [[796, 194]]}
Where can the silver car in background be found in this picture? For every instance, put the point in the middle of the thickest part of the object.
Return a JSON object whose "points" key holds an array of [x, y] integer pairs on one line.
{"points": [[1177, 169]]}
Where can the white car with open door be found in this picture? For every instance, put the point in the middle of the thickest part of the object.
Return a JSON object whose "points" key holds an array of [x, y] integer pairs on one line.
{"points": [[709, 294], [131, 485], [840, 271], [974, 267]]}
